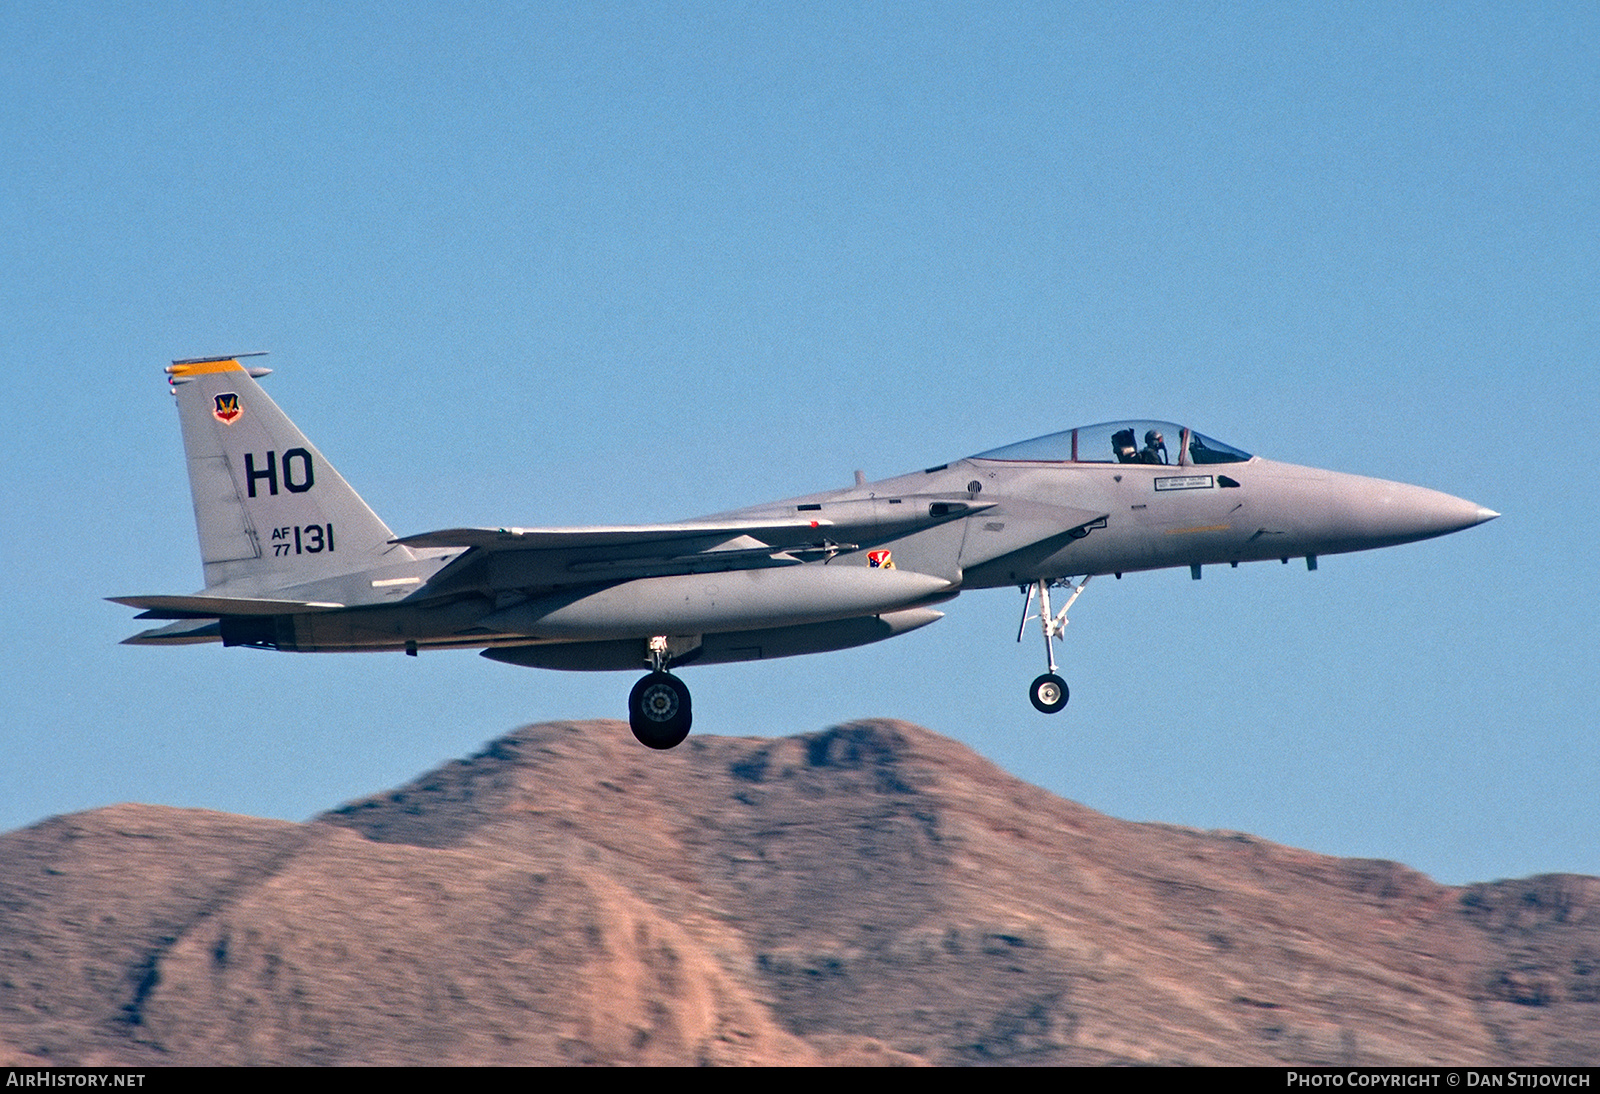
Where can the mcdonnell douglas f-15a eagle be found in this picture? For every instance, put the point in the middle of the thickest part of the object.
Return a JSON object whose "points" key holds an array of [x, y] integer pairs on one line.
{"points": [[295, 560]]}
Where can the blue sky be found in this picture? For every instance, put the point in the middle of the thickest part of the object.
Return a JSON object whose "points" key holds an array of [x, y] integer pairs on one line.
{"points": [[564, 264]]}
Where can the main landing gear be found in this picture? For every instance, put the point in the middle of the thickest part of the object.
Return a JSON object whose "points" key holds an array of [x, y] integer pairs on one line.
{"points": [[658, 705], [1049, 692]]}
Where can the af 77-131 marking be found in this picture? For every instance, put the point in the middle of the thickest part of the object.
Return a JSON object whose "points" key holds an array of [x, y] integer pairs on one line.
{"points": [[295, 560]]}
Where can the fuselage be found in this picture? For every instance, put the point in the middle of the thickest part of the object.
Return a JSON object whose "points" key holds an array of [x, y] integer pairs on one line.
{"points": [[1080, 503]]}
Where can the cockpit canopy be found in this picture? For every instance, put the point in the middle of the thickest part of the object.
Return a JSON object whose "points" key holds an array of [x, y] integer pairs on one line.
{"points": [[1121, 442]]}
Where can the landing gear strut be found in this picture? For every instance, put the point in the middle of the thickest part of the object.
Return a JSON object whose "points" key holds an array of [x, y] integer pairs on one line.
{"points": [[1049, 692], [658, 705]]}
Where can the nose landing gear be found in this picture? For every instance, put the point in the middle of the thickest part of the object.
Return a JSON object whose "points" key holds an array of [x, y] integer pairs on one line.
{"points": [[1049, 692]]}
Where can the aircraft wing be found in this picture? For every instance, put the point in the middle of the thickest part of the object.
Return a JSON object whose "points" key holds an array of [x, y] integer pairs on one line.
{"points": [[618, 535], [524, 558]]}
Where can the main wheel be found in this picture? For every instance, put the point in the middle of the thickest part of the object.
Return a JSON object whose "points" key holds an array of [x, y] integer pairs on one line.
{"points": [[658, 710], [1049, 693]]}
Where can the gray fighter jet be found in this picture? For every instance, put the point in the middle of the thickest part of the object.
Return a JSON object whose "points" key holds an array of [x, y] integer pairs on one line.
{"points": [[294, 559]]}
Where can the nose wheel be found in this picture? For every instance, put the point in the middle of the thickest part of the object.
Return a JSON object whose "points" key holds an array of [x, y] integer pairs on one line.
{"points": [[1048, 693]]}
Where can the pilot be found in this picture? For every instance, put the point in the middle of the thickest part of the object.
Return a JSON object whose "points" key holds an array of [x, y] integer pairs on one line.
{"points": [[1155, 448]]}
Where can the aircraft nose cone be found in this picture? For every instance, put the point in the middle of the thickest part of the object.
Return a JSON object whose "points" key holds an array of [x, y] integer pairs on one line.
{"points": [[1468, 513], [1414, 512]]}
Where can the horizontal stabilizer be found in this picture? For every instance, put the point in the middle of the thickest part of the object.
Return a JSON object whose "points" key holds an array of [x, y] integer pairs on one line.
{"points": [[185, 632], [215, 607]]}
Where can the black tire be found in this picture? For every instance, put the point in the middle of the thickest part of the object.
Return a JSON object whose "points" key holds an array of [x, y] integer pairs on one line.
{"points": [[658, 711], [1048, 693]]}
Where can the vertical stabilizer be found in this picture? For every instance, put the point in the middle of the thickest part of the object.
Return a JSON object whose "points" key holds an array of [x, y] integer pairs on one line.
{"points": [[270, 510]]}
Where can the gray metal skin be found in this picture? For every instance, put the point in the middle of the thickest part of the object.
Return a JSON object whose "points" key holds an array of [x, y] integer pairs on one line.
{"points": [[294, 560]]}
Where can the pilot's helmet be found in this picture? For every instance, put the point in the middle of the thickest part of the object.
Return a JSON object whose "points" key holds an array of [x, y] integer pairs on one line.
{"points": [[1153, 437]]}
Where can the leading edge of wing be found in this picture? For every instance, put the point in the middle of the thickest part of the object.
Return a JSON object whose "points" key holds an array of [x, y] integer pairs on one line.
{"points": [[774, 534]]}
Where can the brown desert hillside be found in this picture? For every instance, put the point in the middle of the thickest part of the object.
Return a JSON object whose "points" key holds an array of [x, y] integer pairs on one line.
{"points": [[870, 894]]}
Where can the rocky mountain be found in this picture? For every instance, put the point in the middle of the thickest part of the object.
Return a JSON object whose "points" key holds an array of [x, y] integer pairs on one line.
{"points": [[871, 894]]}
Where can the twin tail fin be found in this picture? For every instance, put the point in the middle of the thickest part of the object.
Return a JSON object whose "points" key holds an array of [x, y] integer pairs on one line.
{"points": [[271, 511]]}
